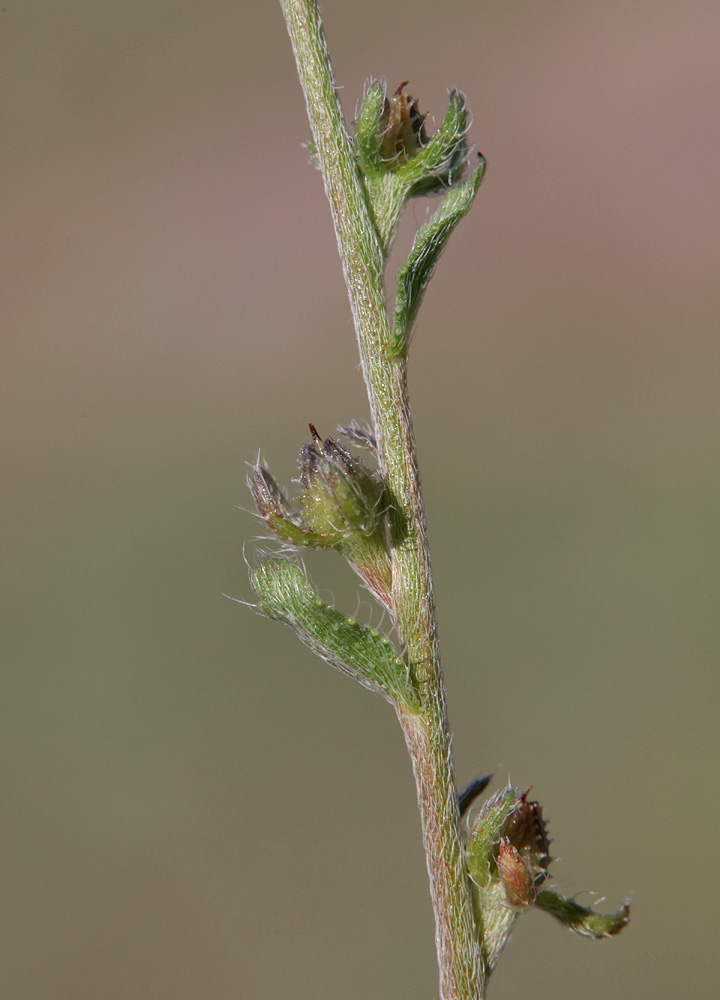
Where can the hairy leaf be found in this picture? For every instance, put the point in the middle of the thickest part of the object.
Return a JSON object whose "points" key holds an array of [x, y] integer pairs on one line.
{"points": [[356, 650]]}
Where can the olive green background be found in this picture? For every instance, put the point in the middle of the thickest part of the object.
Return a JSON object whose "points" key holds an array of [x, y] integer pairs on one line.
{"points": [[193, 807]]}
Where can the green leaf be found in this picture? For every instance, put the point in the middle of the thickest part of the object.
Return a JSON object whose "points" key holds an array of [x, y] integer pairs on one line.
{"points": [[429, 244], [580, 919], [354, 649]]}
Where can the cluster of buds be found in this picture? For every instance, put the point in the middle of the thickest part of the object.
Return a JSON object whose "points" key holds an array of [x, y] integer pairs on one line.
{"points": [[341, 505]]}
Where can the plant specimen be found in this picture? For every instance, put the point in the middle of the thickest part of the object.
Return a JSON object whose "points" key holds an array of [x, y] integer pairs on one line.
{"points": [[489, 865]]}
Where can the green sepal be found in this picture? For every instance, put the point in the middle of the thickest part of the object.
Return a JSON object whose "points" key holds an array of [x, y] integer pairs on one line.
{"points": [[581, 919], [429, 243], [496, 919], [485, 835], [438, 164], [366, 141], [331, 505], [356, 650], [275, 508]]}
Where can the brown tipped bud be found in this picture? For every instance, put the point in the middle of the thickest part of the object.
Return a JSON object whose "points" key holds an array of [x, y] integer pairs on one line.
{"points": [[341, 505], [527, 831], [515, 875], [401, 127], [509, 835], [339, 494]]}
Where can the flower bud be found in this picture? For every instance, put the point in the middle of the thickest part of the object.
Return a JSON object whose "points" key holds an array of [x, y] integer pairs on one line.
{"points": [[507, 856], [341, 505], [507, 859], [526, 832], [339, 495], [402, 133], [509, 841], [515, 875]]}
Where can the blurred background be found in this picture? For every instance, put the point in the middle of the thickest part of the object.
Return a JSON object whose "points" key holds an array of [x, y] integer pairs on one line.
{"points": [[195, 807]]}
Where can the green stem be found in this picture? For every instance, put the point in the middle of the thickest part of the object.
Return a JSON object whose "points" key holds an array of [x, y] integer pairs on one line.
{"points": [[427, 733]]}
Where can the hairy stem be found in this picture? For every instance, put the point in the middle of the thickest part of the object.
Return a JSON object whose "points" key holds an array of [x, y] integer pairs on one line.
{"points": [[426, 733]]}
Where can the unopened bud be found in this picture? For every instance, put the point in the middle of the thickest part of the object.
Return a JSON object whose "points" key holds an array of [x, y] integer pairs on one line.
{"points": [[527, 831], [341, 504], [507, 856], [401, 127], [509, 841], [515, 875]]}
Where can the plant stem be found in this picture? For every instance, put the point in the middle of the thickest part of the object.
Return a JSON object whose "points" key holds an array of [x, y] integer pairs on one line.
{"points": [[427, 734]]}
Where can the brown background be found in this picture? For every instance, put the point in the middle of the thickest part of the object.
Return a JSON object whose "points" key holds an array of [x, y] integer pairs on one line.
{"points": [[193, 807]]}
